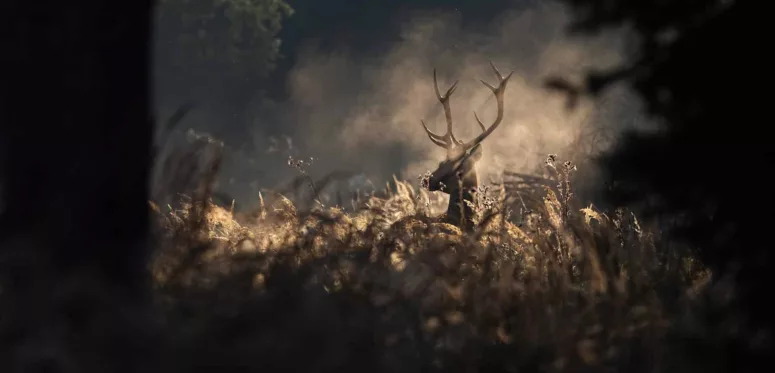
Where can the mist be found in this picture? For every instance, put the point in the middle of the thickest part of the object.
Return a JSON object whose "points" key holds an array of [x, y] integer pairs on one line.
{"points": [[362, 114]]}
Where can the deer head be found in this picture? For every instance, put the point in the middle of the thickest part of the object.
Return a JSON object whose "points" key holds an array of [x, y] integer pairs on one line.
{"points": [[457, 175]]}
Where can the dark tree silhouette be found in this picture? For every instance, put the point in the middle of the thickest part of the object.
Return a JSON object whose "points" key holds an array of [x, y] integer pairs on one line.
{"points": [[705, 171], [75, 150]]}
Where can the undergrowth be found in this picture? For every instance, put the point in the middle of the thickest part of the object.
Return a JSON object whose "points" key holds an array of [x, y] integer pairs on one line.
{"points": [[549, 286]]}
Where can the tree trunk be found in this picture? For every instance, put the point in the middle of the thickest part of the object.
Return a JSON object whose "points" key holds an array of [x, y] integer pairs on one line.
{"points": [[75, 151]]}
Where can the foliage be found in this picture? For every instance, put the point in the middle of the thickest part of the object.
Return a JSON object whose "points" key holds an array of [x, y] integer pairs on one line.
{"points": [[693, 71], [210, 46]]}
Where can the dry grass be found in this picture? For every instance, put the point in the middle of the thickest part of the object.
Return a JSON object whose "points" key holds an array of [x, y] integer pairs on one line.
{"points": [[554, 287]]}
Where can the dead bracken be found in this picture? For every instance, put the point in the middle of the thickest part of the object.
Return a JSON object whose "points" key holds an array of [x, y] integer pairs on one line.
{"points": [[558, 283]]}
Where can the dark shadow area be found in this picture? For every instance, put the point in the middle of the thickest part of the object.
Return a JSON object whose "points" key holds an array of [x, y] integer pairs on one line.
{"points": [[75, 153], [698, 77]]}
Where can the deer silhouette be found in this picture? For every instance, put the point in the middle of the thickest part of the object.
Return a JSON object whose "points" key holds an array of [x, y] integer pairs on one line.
{"points": [[456, 175]]}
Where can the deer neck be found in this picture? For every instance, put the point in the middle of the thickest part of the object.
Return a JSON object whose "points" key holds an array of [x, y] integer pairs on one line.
{"points": [[460, 213]]}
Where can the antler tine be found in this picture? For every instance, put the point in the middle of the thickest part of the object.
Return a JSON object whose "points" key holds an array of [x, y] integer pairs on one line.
{"points": [[496, 71], [449, 92], [479, 121], [499, 93], [444, 100], [436, 139]]}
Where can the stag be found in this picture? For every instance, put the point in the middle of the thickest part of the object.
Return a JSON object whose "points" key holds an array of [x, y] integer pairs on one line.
{"points": [[456, 174]]}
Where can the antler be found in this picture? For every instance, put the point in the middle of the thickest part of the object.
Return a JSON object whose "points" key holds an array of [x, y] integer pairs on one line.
{"points": [[448, 140], [498, 92]]}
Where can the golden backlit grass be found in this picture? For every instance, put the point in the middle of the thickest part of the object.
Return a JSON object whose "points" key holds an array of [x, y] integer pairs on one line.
{"points": [[561, 287]]}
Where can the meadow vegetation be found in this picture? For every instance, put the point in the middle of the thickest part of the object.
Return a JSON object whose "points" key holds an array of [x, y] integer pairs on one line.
{"points": [[546, 282]]}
